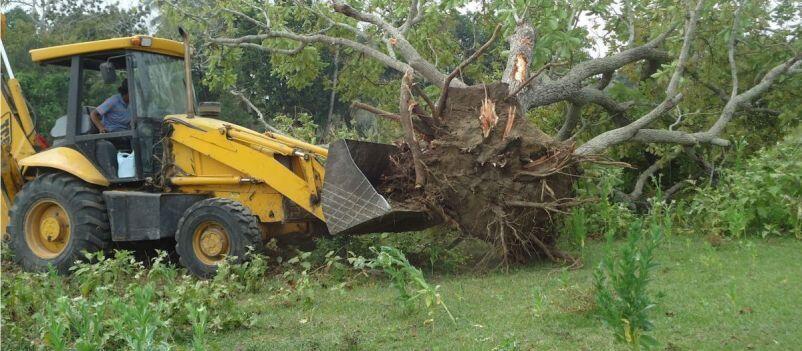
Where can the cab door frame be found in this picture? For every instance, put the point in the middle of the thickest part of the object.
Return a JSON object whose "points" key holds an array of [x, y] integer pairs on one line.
{"points": [[72, 137]]}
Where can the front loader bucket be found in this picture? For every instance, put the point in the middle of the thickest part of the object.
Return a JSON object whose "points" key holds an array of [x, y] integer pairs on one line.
{"points": [[351, 203]]}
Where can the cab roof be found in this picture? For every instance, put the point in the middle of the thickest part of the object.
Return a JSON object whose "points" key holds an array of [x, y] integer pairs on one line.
{"points": [[61, 53]]}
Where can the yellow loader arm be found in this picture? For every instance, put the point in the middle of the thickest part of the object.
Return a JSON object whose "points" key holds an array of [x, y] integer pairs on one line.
{"points": [[18, 135]]}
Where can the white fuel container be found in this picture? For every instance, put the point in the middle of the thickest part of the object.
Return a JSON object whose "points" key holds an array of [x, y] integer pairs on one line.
{"points": [[125, 165]]}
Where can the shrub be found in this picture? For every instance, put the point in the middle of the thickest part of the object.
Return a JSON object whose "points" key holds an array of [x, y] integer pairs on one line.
{"points": [[602, 214], [621, 282], [762, 195], [116, 303]]}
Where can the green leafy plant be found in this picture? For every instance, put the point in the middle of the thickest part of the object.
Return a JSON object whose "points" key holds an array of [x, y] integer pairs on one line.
{"points": [[760, 196], [622, 296], [198, 316], [408, 280], [142, 320]]}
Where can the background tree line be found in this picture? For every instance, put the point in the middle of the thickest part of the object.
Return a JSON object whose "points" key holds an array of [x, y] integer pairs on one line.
{"points": [[321, 81]]}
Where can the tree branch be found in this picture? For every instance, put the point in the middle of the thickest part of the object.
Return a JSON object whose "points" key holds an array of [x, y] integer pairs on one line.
{"points": [[247, 18], [253, 108], [441, 101], [410, 54], [549, 92], [651, 136], [414, 16], [406, 105], [361, 34], [537, 74], [376, 111], [572, 115], [419, 125], [304, 39], [622, 134]]}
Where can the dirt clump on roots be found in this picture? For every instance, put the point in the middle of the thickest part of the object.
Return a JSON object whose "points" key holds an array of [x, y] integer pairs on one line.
{"points": [[493, 178]]}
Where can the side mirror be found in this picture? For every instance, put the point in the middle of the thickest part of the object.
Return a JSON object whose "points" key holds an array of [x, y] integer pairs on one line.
{"points": [[108, 72]]}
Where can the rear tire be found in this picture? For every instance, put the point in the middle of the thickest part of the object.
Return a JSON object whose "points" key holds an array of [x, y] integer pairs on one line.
{"points": [[56, 217], [214, 229]]}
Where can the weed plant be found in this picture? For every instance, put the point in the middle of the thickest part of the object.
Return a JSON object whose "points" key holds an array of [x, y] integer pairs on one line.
{"points": [[407, 279], [622, 296]]}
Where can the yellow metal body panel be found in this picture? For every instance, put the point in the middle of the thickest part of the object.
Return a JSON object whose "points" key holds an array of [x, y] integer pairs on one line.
{"points": [[158, 45], [67, 160], [16, 137], [16, 125], [205, 147]]}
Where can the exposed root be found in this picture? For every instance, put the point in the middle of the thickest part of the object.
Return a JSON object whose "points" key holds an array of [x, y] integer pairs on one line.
{"points": [[505, 186]]}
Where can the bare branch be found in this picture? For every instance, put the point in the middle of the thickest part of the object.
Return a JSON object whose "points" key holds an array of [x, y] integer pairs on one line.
{"points": [[406, 105], [361, 34], [616, 110], [749, 95], [711, 136], [549, 92], [441, 102], [630, 15], [649, 136], [253, 108], [647, 174], [572, 115], [252, 40], [243, 42], [537, 73], [635, 131], [731, 51], [622, 134], [415, 15], [410, 54], [418, 91], [725, 97], [247, 18], [376, 111]]}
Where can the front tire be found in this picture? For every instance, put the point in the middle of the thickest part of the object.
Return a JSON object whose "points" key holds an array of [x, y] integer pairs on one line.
{"points": [[56, 217], [214, 229]]}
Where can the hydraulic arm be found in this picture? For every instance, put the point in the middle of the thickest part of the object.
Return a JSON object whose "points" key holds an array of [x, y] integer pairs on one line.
{"points": [[18, 133]]}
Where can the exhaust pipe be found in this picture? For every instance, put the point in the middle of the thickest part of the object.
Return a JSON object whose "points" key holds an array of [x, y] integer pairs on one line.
{"points": [[188, 74]]}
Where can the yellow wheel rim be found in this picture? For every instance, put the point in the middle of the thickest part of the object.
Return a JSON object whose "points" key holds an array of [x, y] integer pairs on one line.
{"points": [[210, 243], [47, 229]]}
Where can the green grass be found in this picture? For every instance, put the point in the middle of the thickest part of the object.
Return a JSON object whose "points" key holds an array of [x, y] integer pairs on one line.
{"points": [[739, 295]]}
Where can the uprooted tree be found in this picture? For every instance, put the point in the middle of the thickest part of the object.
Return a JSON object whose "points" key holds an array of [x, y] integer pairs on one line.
{"points": [[473, 156]]}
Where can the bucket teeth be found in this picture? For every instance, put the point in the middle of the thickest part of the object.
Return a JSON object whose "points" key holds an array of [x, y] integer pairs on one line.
{"points": [[351, 203]]}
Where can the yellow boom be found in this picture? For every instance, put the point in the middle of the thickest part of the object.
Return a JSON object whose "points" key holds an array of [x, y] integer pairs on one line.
{"points": [[18, 135]]}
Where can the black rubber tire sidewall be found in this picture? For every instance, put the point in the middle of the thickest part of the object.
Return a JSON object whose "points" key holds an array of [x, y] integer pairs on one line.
{"points": [[236, 219], [85, 209]]}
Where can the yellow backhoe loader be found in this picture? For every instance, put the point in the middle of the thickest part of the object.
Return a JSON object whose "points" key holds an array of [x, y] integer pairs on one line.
{"points": [[175, 172]]}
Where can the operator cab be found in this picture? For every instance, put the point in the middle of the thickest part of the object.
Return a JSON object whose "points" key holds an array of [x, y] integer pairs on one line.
{"points": [[151, 70]]}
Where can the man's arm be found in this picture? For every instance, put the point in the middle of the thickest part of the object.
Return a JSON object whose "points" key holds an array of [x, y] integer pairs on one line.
{"points": [[101, 110], [95, 117]]}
